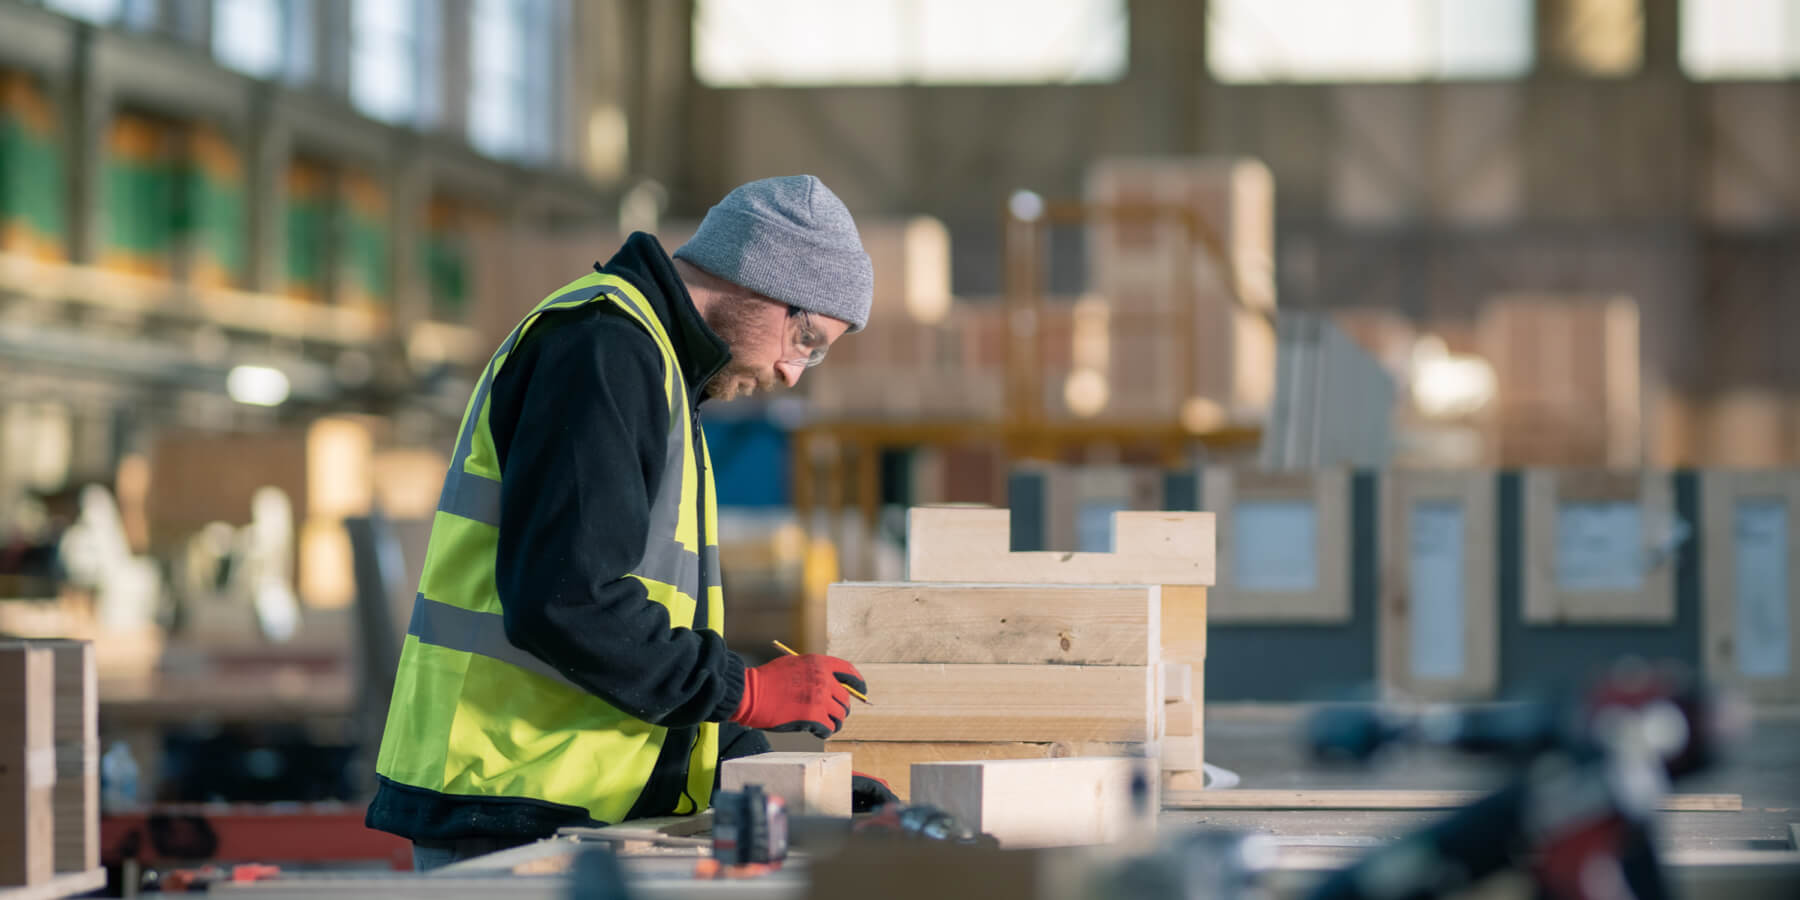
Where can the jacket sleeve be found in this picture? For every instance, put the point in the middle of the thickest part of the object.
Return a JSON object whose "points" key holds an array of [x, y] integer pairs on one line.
{"points": [[580, 424]]}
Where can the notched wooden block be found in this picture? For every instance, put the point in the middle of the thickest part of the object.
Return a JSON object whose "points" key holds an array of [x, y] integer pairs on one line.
{"points": [[975, 545]]}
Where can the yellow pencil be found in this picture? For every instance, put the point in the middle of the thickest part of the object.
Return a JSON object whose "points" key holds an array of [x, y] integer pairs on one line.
{"points": [[853, 691]]}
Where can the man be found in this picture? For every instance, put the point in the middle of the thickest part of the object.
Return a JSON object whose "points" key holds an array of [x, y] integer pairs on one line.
{"points": [[564, 664]]}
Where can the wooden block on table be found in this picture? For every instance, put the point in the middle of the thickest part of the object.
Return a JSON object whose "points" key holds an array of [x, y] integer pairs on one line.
{"points": [[1041, 802], [811, 783], [933, 702], [906, 622], [1178, 682], [27, 764], [1181, 754], [958, 544], [892, 761]]}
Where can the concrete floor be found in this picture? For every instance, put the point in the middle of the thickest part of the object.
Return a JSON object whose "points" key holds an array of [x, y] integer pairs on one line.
{"points": [[1260, 744]]}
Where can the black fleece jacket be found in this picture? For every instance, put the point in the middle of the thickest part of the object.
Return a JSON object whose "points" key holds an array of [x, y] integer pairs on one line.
{"points": [[581, 428], [580, 425]]}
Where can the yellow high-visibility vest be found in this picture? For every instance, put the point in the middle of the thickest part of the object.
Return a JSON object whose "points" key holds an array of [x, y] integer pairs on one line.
{"points": [[472, 714]]}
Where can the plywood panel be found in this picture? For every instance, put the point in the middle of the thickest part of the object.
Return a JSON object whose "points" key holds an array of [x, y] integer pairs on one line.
{"points": [[1438, 617], [929, 702], [950, 544], [906, 622]]}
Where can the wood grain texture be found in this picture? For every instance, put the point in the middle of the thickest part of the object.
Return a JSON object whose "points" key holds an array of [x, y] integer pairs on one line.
{"points": [[1181, 753], [27, 764], [906, 622], [1370, 799], [76, 728], [1039, 802], [811, 783], [932, 702], [1184, 623], [1178, 682], [892, 761], [959, 544], [1180, 719]]}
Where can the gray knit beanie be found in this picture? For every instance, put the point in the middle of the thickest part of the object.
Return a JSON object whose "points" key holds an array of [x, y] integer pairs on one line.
{"points": [[790, 239]]}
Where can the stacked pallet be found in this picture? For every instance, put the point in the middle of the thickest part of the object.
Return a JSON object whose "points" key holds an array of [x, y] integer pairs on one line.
{"points": [[989, 654], [49, 766]]}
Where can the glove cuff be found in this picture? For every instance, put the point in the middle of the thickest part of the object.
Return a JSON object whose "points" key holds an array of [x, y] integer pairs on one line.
{"points": [[746, 707]]}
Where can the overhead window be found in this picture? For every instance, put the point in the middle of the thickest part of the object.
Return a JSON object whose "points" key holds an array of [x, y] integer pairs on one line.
{"points": [[1740, 39], [512, 62], [741, 43], [246, 35], [138, 14], [393, 59], [100, 12], [1251, 41]]}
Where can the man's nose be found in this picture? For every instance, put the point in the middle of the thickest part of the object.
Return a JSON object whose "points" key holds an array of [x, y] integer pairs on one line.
{"points": [[789, 372]]}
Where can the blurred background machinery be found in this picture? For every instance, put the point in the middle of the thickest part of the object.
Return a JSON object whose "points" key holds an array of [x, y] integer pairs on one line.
{"points": [[1129, 254]]}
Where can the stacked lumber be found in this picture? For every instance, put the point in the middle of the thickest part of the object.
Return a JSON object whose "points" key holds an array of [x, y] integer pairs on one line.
{"points": [[1182, 248], [1570, 382], [49, 763], [989, 654]]}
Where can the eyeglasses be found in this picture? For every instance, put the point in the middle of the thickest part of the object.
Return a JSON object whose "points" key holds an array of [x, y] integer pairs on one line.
{"points": [[807, 342]]}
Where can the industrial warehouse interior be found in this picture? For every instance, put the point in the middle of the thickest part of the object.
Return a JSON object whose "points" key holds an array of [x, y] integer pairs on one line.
{"points": [[1019, 449]]}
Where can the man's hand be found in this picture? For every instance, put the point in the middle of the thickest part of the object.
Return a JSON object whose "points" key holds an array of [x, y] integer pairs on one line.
{"points": [[798, 693]]}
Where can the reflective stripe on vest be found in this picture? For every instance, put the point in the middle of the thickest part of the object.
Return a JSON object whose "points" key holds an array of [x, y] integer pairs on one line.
{"points": [[665, 559], [474, 714]]}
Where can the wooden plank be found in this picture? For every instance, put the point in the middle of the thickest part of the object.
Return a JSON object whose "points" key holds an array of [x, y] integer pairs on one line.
{"points": [[1368, 799], [960, 544], [27, 764], [933, 702], [811, 783], [1040, 802], [1181, 753], [892, 761], [1181, 719], [62, 884], [76, 734], [1178, 682], [904, 622]]}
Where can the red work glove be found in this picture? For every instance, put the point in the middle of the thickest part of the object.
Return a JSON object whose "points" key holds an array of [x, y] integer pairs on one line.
{"points": [[798, 693]]}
